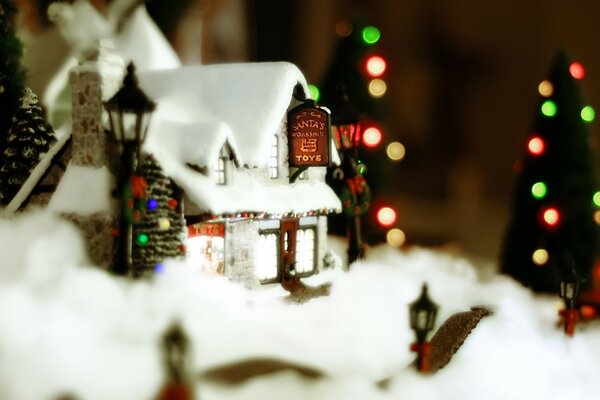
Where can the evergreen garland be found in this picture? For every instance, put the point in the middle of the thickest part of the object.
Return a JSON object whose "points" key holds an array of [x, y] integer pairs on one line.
{"points": [[162, 224], [28, 139], [12, 74]]}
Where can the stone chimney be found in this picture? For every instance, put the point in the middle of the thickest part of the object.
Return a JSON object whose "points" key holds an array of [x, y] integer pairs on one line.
{"points": [[93, 81]]}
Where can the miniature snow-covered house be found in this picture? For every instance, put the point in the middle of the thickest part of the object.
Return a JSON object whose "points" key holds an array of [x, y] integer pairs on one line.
{"points": [[220, 132]]}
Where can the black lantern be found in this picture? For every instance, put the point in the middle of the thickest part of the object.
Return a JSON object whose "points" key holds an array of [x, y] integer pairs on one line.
{"points": [[570, 282], [129, 110], [175, 353], [345, 123], [129, 113], [423, 313]]}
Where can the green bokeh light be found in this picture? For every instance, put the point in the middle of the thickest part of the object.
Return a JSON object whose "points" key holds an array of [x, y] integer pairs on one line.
{"points": [[539, 190], [314, 92], [142, 239], [596, 199], [549, 108], [588, 114], [371, 35], [361, 168]]}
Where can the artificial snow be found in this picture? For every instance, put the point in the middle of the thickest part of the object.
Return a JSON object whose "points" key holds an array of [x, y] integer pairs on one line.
{"points": [[250, 98], [83, 191], [70, 328]]}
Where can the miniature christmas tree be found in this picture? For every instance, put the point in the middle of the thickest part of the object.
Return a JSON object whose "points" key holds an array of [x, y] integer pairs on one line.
{"points": [[11, 72], [29, 138], [360, 69], [553, 211], [159, 234]]}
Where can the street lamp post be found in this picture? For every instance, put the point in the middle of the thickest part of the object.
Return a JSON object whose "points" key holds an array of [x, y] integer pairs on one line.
{"points": [[129, 112], [345, 123], [423, 313]]}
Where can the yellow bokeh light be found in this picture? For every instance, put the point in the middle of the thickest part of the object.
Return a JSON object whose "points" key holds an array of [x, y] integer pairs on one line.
{"points": [[395, 237], [546, 88], [395, 151], [597, 217], [540, 257], [377, 88]]}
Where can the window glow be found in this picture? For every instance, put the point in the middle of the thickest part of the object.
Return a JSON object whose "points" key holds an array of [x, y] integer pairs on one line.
{"points": [[576, 70], [588, 114], [395, 151], [371, 35], [386, 216], [395, 237], [536, 146], [549, 108], [372, 137], [207, 253], [545, 88], [375, 66], [539, 190], [314, 92], [266, 257], [377, 88], [540, 257], [305, 251]]}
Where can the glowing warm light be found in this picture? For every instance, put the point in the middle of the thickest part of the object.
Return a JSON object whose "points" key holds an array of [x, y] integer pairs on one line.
{"points": [[588, 312], [545, 88], [395, 151], [371, 35], [343, 28], [551, 217], [596, 199], [536, 146], [395, 237], [375, 66], [549, 108], [314, 92], [540, 257], [372, 137], [588, 114], [597, 217], [539, 190], [386, 216], [164, 224], [377, 88], [576, 70]]}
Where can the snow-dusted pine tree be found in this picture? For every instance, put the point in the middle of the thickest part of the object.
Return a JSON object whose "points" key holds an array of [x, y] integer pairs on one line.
{"points": [[11, 72], [28, 139], [160, 233]]}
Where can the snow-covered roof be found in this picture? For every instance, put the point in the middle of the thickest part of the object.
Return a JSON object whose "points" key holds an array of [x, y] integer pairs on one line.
{"points": [[83, 191], [196, 143], [250, 98]]}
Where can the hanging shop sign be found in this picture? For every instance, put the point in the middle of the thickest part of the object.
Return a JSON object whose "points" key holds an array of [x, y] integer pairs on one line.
{"points": [[309, 136]]}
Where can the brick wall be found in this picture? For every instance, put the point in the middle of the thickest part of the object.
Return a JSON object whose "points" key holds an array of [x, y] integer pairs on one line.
{"points": [[241, 238]]}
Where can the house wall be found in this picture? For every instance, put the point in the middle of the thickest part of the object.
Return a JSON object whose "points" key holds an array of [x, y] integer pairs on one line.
{"points": [[321, 240], [241, 238]]}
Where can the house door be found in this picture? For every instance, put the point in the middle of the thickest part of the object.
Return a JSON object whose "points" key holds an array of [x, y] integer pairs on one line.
{"points": [[289, 227]]}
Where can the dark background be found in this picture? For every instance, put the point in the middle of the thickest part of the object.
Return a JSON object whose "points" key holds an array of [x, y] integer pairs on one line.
{"points": [[462, 87]]}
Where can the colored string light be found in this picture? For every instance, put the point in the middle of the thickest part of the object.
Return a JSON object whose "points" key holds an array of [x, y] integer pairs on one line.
{"points": [[539, 190], [549, 108], [588, 114], [551, 217], [596, 199], [377, 88], [395, 151], [371, 35], [386, 216], [375, 66], [576, 70], [372, 137], [314, 92], [545, 88], [395, 237], [536, 146], [540, 257], [152, 204], [142, 239], [343, 28]]}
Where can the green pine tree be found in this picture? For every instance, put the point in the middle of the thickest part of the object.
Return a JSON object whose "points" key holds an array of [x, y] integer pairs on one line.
{"points": [[552, 210], [162, 224], [12, 74], [29, 138]]}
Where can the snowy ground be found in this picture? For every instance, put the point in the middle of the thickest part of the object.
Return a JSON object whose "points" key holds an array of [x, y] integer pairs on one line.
{"points": [[69, 328]]}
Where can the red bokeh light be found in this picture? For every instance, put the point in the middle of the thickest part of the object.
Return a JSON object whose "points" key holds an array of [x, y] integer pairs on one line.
{"points": [[536, 146], [551, 217], [386, 216], [576, 70], [375, 66], [372, 137]]}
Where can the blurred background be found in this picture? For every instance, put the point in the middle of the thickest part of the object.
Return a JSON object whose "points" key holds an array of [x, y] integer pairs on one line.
{"points": [[461, 87]]}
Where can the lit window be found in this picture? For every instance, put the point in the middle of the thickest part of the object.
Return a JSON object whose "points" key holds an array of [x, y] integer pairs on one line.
{"points": [[274, 158], [207, 252], [220, 171], [305, 251], [222, 167], [267, 257]]}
